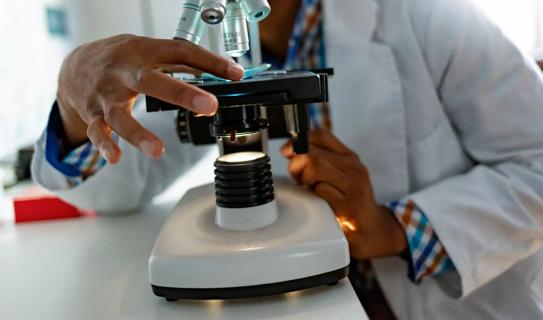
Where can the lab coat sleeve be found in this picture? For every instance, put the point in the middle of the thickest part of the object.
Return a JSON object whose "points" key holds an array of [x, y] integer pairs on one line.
{"points": [[77, 164], [131, 183], [490, 217]]}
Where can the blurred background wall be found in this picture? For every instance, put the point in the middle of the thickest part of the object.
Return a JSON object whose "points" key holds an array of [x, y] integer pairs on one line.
{"points": [[37, 34], [521, 20]]}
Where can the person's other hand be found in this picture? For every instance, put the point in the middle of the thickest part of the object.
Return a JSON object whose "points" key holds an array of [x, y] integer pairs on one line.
{"points": [[99, 82], [336, 174]]}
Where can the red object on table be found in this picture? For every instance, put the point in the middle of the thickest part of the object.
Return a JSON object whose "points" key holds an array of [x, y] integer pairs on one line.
{"points": [[43, 208]]}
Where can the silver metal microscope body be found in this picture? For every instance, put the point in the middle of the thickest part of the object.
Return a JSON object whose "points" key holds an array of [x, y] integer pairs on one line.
{"points": [[228, 19], [232, 17]]}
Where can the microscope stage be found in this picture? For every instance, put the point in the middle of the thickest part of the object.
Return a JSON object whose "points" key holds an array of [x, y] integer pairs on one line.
{"points": [[195, 259], [293, 87]]}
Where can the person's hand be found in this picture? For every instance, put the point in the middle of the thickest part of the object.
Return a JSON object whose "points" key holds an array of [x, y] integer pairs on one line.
{"points": [[335, 174], [99, 82]]}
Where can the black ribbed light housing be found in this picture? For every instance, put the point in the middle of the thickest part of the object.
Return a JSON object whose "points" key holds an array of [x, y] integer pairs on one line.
{"points": [[243, 180]]}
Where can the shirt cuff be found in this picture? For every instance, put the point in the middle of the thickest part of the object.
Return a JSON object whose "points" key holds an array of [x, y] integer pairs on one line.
{"points": [[427, 255], [78, 164]]}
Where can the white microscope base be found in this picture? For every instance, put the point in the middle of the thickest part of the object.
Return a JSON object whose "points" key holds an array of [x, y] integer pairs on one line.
{"points": [[195, 259]]}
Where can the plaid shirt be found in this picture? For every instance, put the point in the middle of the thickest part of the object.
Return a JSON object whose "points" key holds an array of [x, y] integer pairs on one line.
{"points": [[306, 51]]}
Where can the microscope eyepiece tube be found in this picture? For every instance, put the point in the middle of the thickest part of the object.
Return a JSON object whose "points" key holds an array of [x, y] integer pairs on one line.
{"points": [[190, 26], [213, 11], [255, 10], [235, 32]]}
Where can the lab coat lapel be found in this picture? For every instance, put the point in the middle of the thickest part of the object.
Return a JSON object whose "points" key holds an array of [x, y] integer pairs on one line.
{"points": [[367, 107]]}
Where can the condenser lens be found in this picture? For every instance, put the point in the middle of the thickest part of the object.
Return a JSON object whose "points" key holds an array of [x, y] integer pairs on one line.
{"points": [[240, 157]]}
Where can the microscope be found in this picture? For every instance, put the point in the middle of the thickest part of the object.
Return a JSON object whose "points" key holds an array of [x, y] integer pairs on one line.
{"points": [[248, 234]]}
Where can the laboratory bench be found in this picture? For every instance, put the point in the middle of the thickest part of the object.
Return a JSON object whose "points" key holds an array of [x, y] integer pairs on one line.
{"points": [[96, 268]]}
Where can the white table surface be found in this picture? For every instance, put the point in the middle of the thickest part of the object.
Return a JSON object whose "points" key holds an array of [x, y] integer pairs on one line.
{"points": [[96, 268]]}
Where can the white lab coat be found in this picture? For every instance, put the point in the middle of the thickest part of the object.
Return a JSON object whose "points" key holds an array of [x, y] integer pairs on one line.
{"points": [[440, 106]]}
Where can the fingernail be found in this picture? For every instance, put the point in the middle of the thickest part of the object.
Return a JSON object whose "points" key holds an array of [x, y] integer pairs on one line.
{"points": [[107, 153], [204, 104], [199, 115], [151, 148], [235, 71]]}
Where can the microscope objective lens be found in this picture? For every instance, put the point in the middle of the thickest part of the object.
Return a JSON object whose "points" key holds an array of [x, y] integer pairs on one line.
{"points": [[189, 27], [235, 32], [213, 11], [255, 10]]}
